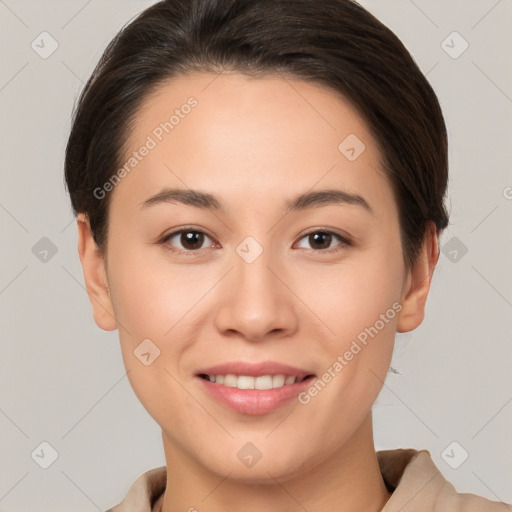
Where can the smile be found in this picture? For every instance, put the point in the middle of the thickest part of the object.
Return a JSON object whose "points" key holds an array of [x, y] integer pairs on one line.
{"points": [[249, 382]]}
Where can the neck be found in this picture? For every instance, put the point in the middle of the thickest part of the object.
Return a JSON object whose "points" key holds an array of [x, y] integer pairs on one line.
{"points": [[349, 480]]}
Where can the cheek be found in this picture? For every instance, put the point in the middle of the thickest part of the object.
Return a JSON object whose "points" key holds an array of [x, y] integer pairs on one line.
{"points": [[150, 301], [155, 300], [149, 296], [353, 294], [358, 302]]}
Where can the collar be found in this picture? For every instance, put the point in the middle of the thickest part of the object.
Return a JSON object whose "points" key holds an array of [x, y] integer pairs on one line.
{"points": [[410, 475]]}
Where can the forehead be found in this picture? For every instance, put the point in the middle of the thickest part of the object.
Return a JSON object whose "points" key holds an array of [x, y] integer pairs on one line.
{"points": [[230, 133]]}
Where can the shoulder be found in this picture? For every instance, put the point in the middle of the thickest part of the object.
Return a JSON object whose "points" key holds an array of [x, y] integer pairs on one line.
{"points": [[467, 502], [417, 485]]}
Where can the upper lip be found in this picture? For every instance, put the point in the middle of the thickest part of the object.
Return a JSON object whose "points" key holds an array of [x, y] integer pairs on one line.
{"points": [[255, 369]]}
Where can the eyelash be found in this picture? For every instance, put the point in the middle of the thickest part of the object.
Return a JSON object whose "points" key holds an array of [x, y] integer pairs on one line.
{"points": [[344, 241]]}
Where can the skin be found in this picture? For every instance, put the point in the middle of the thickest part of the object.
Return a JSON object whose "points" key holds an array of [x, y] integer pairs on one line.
{"points": [[256, 143]]}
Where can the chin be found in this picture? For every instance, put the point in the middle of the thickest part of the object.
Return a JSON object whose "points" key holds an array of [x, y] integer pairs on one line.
{"points": [[273, 465]]}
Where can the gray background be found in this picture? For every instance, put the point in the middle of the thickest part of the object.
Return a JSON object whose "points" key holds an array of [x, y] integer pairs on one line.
{"points": [[62, 379]]}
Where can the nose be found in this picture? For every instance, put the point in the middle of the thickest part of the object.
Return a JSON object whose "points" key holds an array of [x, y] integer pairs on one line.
{"points": [[254, 301]]}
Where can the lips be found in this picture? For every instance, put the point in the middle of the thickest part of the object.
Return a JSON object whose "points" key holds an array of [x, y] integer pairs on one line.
{"points": [[257, 399]]}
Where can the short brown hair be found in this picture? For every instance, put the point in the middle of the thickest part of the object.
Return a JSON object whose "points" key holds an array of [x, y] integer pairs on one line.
{"points": [[336, 43]]}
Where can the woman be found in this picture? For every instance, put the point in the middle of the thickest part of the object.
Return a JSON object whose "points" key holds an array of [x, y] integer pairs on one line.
{"points": [[259, 193]]}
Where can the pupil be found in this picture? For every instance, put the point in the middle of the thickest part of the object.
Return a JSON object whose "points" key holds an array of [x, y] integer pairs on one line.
{"points": [[189, 239], [315, 237]]}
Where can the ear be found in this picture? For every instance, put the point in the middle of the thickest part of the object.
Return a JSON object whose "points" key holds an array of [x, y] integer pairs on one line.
{"points": [[418, 281], [95, 275]]}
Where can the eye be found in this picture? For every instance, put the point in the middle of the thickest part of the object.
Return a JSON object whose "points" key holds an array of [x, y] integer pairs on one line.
{"points": [[322, 240], [191, 240]]}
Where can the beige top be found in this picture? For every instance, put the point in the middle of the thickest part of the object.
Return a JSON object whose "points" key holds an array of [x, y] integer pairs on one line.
{"points": [[412, 477]]}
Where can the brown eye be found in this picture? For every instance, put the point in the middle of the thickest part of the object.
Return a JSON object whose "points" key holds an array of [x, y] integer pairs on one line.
{"points": [[322, 240], [190, 240]]}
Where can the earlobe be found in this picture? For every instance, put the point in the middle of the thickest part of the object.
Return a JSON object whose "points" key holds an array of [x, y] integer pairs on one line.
{"points": [[95, 276], [418, 282]]}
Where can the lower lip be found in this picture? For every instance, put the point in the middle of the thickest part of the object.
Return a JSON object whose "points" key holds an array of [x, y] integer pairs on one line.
{"points": [[255, 401]]}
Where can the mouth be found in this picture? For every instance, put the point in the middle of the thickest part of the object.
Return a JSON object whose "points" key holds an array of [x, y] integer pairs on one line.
{"points": [[262, 382], [252, 395], [254, 388]]}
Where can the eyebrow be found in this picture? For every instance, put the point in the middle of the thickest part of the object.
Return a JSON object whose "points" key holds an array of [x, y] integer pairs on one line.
{"points": [[304, 201]]}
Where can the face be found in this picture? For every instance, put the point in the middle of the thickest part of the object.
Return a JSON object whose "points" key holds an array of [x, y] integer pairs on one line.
{"points": [[255, 274]]}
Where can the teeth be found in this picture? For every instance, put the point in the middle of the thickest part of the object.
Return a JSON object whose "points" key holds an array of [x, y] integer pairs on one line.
{"points": [[248, 382]]}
